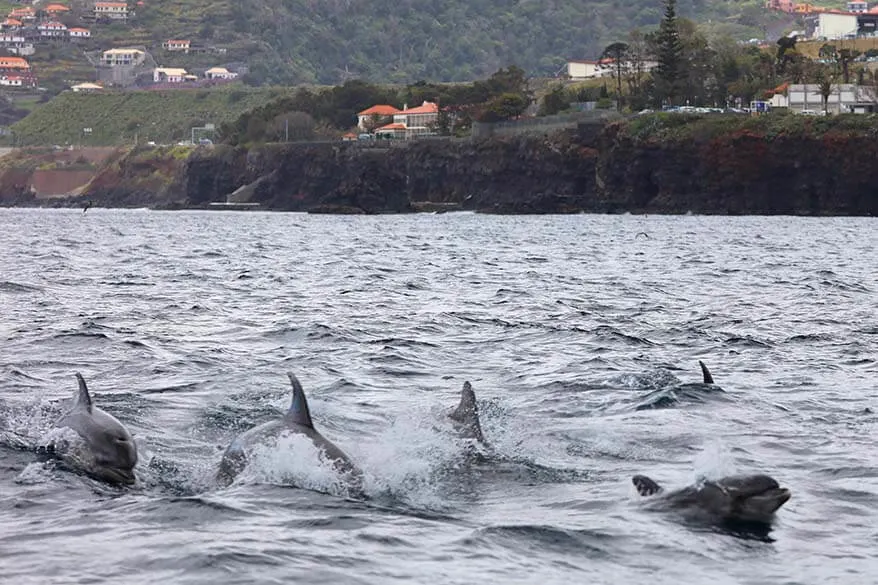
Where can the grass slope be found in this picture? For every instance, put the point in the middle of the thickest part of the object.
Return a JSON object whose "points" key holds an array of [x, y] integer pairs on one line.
{"points": [[116, 117]]}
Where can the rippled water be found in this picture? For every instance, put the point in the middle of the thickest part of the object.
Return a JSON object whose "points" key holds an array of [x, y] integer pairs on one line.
{"points": [[185, 323]]}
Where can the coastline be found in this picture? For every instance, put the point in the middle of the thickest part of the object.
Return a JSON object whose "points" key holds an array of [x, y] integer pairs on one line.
{"points": [[657, 164]]}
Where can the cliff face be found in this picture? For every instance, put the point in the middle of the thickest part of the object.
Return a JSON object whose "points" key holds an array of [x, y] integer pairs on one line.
{"points": [[731, 169]]}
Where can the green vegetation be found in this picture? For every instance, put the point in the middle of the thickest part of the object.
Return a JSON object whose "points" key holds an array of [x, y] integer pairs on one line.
{"points": [[309, 115], [662, 127], [119, 117], [332, 41]]}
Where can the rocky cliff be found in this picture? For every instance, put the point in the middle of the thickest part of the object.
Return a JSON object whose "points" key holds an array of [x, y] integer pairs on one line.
{"points": [[655, 164]]}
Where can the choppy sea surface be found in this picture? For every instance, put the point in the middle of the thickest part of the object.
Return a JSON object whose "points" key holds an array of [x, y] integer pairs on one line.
{"points": [[580, 334]]}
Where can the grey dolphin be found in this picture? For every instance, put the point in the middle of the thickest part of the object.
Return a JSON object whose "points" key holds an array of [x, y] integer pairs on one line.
{"points": [[108, 453], [742, 498], [297, 420], [465, 417]]}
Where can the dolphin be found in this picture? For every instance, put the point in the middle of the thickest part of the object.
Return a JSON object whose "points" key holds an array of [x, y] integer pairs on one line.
{"points": [[737, 498], [690, 391], [297, 419], [465, 417], [108, 451]]}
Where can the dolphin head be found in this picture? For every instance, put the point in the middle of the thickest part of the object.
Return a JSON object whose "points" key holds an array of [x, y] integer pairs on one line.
{"points": [[112, 453], [754, 498]]}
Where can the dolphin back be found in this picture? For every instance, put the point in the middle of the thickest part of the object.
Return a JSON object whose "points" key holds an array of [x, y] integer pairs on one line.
{"points": [[645, 485], [467, 414], [708, 378]]}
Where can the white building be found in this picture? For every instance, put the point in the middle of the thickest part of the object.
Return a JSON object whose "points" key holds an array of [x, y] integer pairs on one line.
{"points": [[79, 33], [219, 73], [116, 57], [603, 68], [169, 75], [111, 10], [858, 6], [52, 29], [844, 98], [831, 26]]}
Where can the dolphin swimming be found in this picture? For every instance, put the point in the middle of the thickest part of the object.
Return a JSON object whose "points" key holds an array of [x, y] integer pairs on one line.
{"points": [[739, 498], [465, 417], [297, 419], [685, 392], [107, 450]]}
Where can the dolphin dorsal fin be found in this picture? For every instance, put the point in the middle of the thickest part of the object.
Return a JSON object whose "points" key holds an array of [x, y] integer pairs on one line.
{"points": [[467, 412], [82, 398], [645, 486], [298, 412], [708, 379], [467, 407]]}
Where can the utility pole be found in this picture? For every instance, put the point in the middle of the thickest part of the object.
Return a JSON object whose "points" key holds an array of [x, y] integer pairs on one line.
{"points": [[286, 130]]}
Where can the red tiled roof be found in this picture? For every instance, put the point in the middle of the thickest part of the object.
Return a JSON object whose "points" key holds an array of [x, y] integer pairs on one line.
{"points": [[79, 30], [56, 8], [380, 110], [12, 22], [394, 126], [425, 108]]}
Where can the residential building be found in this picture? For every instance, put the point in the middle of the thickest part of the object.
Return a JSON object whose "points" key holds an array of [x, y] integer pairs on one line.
{"points": [[418, 120], [87, 87], [170, 75], [79, 33], [52, 29], [857, 6], [123, 57], [377, 114], [219, 73], [11, 24], [16, 44], [173, 45], [56, 9], [412, 122], [111, 10], [26, 13], [18, 67], [11, 80], [831, 25]]}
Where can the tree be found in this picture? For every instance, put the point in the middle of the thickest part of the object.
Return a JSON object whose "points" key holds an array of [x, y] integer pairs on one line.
{"points": [[824, 78], [669, 51], [619, 61]]}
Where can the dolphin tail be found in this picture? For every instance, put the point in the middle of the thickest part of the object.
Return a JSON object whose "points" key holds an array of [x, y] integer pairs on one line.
{"points": [[645, 486], [467, 412], [82, 398], [708, 378], [298, 412]]}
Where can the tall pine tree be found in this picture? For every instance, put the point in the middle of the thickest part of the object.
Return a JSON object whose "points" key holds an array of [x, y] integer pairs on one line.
{"points": [[669, 50]]}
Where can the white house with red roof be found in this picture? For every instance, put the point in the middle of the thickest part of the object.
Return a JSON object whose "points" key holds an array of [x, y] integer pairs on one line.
{"points": [[111, 10], [412, 122], [177, 45], [79, 33], [375, 114]]}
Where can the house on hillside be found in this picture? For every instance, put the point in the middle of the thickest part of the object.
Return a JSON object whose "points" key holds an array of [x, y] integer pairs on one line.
{"points": [[79, 33], [412, 122], [49, 30], [171, 75], [18, 67], [579, 69], [375, 116], [788, 6], [857, 6], [172, 45], [23, 14], [56, 10], [122, 57], [111, 10], [11, 24], [87, 87], [16, 44], [219, 73]]}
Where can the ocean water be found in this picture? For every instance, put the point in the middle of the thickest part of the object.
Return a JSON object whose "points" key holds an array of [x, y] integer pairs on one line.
{"points": [[580, 334]]}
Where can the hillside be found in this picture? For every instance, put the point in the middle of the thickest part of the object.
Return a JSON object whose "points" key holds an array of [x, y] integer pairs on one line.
{"points": [[329, 42], [116, 117]]}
